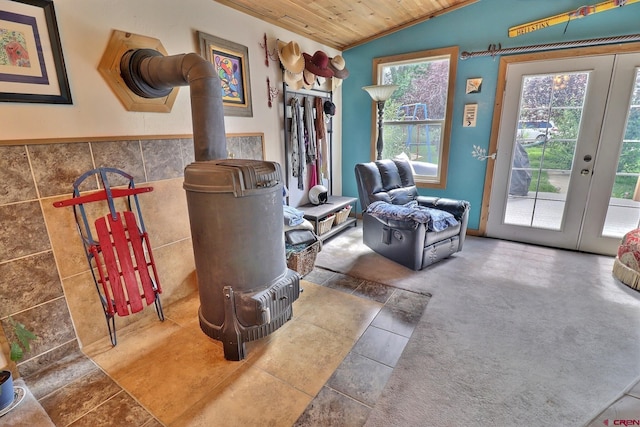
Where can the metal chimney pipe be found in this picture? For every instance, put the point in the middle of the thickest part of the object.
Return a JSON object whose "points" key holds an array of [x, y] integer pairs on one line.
{"points": [[151, 75]]}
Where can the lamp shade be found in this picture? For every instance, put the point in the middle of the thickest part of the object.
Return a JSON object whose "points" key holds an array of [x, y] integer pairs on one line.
{"points": [[380, 92]]}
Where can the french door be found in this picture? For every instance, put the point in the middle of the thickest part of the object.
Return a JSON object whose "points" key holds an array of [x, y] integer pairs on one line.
{"points": [[568, 160]]}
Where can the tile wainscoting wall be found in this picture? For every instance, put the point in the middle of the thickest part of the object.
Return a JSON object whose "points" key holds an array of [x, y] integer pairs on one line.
{"points": [[45, 281]]}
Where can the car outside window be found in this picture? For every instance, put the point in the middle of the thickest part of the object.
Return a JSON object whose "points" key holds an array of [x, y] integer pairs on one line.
{"points": [[535, 132]]}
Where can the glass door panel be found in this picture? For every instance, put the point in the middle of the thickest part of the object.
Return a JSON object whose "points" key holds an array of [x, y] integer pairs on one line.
{"points": [[567, 172], [613, 208], [547, 143], [549, 118], [623, 213]]}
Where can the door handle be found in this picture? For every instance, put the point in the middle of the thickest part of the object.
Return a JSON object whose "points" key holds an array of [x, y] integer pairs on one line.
{"points": [[585, 172]]}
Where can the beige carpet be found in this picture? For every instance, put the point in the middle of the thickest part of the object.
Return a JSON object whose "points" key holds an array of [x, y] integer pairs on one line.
{"points": [[514, 335]]}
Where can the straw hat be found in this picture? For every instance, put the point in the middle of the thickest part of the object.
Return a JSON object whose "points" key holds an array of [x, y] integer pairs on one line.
{"points": [[308, 79], [290, 56], [318, 64], [293, 80], [337, 65]]}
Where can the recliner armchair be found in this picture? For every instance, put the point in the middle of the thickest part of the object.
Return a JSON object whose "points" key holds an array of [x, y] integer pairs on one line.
{"points": [[403, 240]]}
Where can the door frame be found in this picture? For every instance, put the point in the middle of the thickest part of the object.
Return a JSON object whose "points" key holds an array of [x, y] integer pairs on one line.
{"points": [[499, 98]]}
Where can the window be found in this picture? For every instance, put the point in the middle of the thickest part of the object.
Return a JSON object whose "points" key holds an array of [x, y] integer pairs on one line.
{"points": [[417, 117]]}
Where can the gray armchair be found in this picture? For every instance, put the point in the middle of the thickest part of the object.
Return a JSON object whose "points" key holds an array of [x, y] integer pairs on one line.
{"points": [[404, 240]]}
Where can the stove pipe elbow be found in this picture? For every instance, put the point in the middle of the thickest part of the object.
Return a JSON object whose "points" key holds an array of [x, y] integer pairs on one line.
{"points": [[150, 75]]}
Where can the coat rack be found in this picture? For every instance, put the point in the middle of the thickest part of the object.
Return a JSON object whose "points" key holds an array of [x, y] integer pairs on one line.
{"points": [[295, 193]]}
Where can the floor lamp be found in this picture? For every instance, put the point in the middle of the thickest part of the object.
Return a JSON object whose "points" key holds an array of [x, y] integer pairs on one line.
{"points": [[380, 93]]}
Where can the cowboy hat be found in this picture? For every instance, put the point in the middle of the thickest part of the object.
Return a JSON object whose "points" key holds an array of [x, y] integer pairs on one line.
{"points": [[290, 56], [318, 64], [337, 65], [293, 80], [308, 79]]}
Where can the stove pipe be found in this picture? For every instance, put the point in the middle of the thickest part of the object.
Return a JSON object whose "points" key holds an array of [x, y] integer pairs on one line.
{"points": [[150, 75], [235, 210]]}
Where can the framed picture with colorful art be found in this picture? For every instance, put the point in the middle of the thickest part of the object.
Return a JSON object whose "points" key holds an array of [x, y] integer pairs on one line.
{"points": [[31, 63], [231, 61]]}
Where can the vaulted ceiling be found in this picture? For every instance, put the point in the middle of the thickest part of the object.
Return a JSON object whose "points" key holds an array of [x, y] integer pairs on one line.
{"points": [[343, 24]]}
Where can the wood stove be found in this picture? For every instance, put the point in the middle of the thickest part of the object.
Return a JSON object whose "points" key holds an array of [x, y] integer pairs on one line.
{"points": [[235, 210]]}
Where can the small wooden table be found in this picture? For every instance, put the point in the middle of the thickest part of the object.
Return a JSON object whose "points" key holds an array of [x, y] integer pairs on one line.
{"points": [[316, 213]]}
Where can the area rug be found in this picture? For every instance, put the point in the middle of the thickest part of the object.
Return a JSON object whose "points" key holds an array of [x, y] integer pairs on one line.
{"points": [[515, 334]]}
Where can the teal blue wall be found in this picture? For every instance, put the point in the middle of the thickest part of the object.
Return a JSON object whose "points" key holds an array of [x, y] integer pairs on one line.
{"points": [[472, 28]]}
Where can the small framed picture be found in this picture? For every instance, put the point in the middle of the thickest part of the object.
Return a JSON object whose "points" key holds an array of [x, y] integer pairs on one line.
{"points": [[231, 61], [474, 85]]}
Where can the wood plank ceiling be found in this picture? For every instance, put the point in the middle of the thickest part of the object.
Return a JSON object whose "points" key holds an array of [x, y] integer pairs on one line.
{"points": [[343, 24]]}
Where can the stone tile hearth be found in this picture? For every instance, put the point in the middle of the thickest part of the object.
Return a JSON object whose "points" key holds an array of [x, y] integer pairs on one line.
{"points": [[169, 373]]}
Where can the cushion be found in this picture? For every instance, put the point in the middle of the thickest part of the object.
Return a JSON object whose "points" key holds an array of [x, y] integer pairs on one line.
{"points": [[626, 267], [629, 250], [403, 156], [300, 237], [304, 225], [389, 174]]}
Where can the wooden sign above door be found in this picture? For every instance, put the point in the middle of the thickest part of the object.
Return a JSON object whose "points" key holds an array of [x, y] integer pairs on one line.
{"points": [[581, 12]]}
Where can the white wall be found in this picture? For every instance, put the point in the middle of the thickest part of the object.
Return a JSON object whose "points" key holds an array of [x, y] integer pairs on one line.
{"points": [[85, 28]]}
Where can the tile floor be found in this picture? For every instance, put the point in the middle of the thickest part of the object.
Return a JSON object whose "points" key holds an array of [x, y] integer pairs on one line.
{"points": [[624, 411], [327, 366]]}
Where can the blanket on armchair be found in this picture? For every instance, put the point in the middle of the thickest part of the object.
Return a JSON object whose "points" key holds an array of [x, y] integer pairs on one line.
{"points": [[434, 219]]}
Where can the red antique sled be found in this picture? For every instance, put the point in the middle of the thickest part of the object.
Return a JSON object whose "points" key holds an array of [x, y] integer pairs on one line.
{"points": [[120, 259]]}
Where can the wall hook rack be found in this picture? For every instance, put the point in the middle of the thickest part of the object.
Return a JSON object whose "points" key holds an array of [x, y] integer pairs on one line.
{"points": [[273, 55], [272, 93]]}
